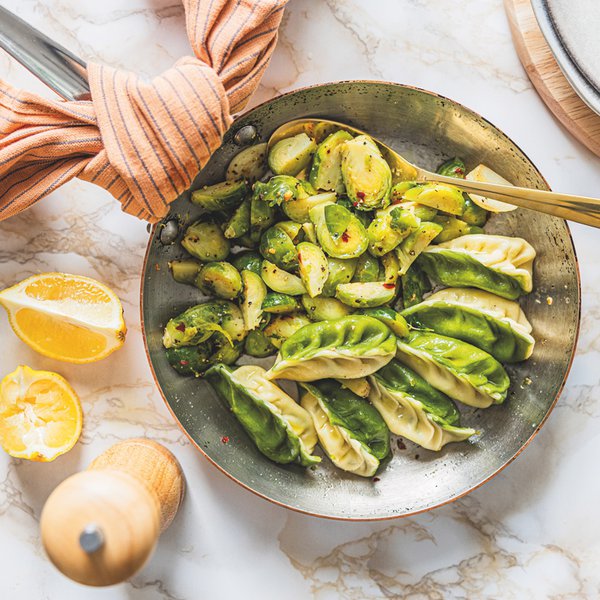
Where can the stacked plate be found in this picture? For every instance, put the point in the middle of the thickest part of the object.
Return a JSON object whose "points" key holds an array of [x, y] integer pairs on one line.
{"points": [[571, 30]]}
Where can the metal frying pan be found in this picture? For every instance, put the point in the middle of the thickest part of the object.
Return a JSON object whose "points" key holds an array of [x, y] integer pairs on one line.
{"points": [[425, 128]]}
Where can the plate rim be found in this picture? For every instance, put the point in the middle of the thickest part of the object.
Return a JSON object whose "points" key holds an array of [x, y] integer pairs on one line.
{"points": [[411, 513], [577, 79]]}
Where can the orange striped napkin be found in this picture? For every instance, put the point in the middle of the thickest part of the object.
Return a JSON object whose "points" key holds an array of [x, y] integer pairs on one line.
{"points": [[142, 141]]}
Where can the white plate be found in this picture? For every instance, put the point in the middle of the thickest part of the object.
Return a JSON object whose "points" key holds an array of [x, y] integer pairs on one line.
{"points": [[571, 28]]}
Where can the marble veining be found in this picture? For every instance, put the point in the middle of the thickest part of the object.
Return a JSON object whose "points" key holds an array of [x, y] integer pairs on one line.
{"points": [[531, 532]]}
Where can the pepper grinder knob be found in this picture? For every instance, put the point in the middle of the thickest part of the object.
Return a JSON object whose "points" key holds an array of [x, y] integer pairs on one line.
{"points": [[100, 526]]}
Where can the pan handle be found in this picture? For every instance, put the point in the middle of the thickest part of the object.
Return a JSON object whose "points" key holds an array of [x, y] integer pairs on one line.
{"points": [[50, 62]]}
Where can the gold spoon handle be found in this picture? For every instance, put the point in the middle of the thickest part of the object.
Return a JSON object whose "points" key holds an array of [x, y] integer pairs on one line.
{"points": [[566, 206]]}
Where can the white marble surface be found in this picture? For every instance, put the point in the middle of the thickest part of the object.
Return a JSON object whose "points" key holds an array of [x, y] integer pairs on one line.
{"points": [[532, 532]]}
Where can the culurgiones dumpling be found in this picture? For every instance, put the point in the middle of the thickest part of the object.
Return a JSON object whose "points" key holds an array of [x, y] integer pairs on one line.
{"points": [[491, 323], [351, 431], [281, 429], [494, 263], [346, 348], [461, 371], [414, 409]]}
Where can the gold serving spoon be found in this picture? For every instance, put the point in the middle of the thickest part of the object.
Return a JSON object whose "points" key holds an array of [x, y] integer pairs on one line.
{"points": [[574, 208]]}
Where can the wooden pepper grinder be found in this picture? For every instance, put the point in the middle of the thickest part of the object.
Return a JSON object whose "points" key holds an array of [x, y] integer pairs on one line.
{"points": [[100, 526]]}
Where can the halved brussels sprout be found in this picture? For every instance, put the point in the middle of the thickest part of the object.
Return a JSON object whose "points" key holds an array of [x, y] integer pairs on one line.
{"points": [[206, 242], [281, 281], [366, 295], [474, 215], [247, 261], [185, 271], [262, 216], [453, 228], [253, 297], [198, 323], [326, 171], [220, 279], [303, 175], [422, 212], [367, 269], [264, 320], [190, 360], [290, 155], [284, 326], [391, 267], [454, 167], [364, 216], [221, 196], [340, 233], [415, 243], [340, 271], [367, 176], [320, 131], [392, 318], [298, 209], [257, 344], [282, 188], [389, 227], [313, 268], [293, 229], [310, 233], [440, 196], [324, 309], [250, 164], [276, 246], [239, 222], [195, 360], [277, 303]]}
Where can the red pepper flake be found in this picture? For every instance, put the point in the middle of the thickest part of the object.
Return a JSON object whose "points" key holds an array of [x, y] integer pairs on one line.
{"points": [[225, 439], [345, 236], [459, 171], [180, 327], [375, 479], [184, 362], [401, 445], [389, 286], [360, 196], [355, 204]]}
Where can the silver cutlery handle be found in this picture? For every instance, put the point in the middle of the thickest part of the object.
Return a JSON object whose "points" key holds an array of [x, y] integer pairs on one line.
{"points": [[58, 68]]}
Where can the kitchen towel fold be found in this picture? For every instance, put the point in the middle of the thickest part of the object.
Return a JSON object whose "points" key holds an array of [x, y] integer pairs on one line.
{"points": [[143, 141]]}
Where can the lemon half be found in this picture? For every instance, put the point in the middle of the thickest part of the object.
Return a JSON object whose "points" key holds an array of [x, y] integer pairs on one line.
{"points": [[67, 317]]}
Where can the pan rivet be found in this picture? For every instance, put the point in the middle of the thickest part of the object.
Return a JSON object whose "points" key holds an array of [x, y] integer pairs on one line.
{"points": [[245, 135], [169, 232]]}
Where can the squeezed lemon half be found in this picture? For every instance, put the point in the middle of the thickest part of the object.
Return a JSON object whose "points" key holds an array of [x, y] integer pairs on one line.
{"points": [[40, 415]]}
